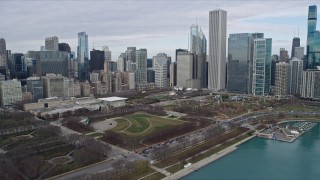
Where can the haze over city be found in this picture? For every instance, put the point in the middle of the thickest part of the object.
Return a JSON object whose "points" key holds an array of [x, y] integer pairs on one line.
{"points": [[158, 26]]}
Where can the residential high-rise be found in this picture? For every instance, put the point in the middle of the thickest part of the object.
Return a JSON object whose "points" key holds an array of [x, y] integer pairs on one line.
{"points": [[97, 60], [3, 53], [310, 84], [217, 50], [283, 55], [83, 56], [10, 92], [52, 43], [313, 39], [296, 69], [239, 67], [261, 79], [198, 46], [160, 69], [295, 43], [141, 69], [282, 79]]}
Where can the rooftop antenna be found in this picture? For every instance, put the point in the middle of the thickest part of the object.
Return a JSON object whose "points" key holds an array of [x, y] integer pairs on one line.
{"points": [[298, 31], [93, 45], [196, 20], [294, 33]]}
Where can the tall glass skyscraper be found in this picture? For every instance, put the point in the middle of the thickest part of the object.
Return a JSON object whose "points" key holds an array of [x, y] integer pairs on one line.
{"points": [[217, 50], [83, 50], [239, 68], [83, 56], [261, 79], [313, 39]]}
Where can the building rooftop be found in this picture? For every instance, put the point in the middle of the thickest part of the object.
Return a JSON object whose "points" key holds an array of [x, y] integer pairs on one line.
{"points": [[113, 98]]}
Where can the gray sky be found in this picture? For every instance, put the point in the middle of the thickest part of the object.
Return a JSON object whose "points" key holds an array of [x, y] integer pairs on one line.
{"points": [[159, 26]]}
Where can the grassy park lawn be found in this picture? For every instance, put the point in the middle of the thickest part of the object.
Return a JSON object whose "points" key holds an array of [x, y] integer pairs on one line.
{"points": [[141, 123], [154, 176], [7, 139]]}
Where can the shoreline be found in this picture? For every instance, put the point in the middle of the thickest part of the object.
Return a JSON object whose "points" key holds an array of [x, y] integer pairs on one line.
{"points": [[200, 164]]}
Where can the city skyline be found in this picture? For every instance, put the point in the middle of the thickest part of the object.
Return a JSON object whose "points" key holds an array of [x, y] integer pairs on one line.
{"points": [[145, 25]]}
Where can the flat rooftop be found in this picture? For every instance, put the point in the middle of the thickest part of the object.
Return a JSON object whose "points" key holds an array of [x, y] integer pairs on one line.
{"points": [[113, 98]]}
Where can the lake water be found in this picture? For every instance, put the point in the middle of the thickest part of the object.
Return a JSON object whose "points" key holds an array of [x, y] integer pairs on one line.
{"points": [[268, 159]]}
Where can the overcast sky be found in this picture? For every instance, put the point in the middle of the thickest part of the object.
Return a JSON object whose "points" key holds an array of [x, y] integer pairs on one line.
{"points": [[159, 26]]}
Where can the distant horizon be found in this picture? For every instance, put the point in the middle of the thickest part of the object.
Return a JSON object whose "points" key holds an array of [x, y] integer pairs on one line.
{"points": [[160, 27]]}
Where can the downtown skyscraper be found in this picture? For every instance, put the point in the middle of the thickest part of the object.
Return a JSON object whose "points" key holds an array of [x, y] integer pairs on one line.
{"points": [[239, 68], [261, 78], [217, 50], [83, 56], [313, 40], [198, 46]]}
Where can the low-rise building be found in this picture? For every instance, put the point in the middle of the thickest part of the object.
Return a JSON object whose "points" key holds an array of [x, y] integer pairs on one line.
{"points": [[114, 101]]}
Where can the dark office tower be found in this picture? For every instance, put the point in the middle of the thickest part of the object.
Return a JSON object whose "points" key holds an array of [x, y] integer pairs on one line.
{"points": [[313, 39], [295, 43], [18, 70], [168, 66], [239, 68], [149, 63], [131, 54], [283, 55], [96, 60], [180, 50], [150, 75], [113, 66], [64, 47]]}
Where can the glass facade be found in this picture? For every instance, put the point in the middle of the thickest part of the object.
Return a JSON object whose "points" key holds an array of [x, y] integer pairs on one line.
{"points": [[239, 68], [313, 39], [261, 79], [83, 51]]}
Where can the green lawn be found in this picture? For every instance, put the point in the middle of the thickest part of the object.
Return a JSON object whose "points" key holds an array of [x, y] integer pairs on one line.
{"points": [[7, 139], [121, 125], [175, 168], [142, 123], [155, 176], [138, 124]]}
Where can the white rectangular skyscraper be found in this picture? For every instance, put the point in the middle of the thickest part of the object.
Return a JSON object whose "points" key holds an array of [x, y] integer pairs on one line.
{"points": [[217, 50]]}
